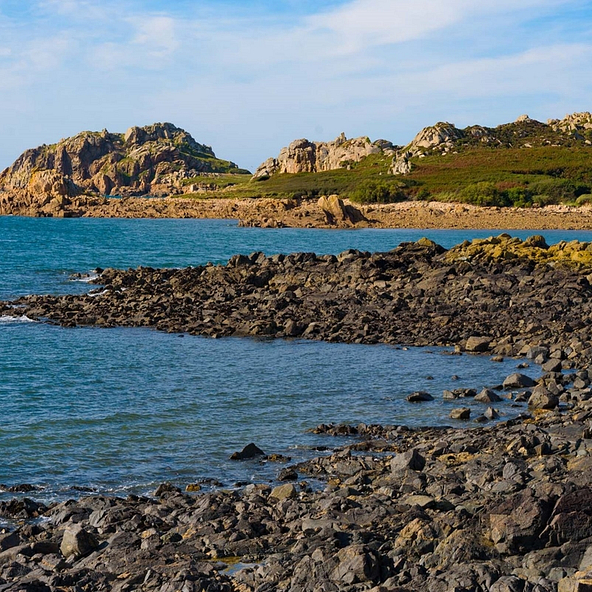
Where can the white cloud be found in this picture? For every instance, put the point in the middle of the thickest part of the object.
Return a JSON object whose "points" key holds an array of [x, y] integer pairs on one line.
{"points": [[157, 35], [537, 70]]}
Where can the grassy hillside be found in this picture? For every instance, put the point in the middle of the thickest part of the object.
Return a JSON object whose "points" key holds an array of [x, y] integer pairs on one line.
{"points": [[480, 175], [525, 163], [343, 181], [505, 176]]}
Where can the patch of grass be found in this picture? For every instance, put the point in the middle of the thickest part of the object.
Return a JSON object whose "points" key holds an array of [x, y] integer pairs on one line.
{"points": [[222, 181]]}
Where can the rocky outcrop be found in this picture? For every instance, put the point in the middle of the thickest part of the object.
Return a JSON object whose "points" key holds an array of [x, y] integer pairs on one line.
{"points": [[302, 156], [155, 159], [576, 122], [337, 213], [503, 508], [444, 138], [418, 294]]}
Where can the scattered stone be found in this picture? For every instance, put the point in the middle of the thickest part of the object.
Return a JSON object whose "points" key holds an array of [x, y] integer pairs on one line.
{"points": [[249, 451], [477, 344], [460, 413], [410, 460], [543, 399], [552, 365], [282, 492], [165, 488], [77, 542], [419, 397], [518, 381], [488, 396]]}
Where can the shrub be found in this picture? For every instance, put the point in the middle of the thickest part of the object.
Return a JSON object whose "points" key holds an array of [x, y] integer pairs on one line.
{"points": [[423, 194], [519, 197], [377, 192], [484, 194], [554, 191]]}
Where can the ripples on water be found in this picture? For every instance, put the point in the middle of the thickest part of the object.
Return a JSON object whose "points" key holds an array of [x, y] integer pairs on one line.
{"points": [[128, 408], [123, 409]]}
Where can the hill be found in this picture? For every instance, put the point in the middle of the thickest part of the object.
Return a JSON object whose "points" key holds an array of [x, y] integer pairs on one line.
{"points": [[523, 163], [154, 160]]}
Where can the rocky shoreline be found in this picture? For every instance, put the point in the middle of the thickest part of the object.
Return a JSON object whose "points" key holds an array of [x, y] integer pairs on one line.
{"points": [[303, 213], [509, 292], [501, 508]]}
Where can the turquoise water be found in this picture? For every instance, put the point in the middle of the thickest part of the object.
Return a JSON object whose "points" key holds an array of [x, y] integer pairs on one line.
{"points": [[121, 410]]}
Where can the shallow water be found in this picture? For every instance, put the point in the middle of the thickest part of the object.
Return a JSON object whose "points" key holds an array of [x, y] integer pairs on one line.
{"points": [[121, 410]]}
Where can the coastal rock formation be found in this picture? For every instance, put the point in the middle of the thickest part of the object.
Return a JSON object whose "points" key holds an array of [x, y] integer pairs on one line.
{"points": [[302, 156], [337, 213], [499, 296], [500, 508], [491, 509], [155, 159]]}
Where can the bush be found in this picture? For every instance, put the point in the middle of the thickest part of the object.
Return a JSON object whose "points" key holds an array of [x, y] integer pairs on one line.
{"points": [[519, 197], [554, 191], [377, 192], [484, 194]]}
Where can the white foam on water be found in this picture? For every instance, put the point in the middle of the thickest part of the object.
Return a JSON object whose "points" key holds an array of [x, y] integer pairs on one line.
{"points": [[87, 279], [7, 319]]}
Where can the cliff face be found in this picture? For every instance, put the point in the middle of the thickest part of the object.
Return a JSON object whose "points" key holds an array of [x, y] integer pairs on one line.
{"points": [[302, 156], [151, 159]]}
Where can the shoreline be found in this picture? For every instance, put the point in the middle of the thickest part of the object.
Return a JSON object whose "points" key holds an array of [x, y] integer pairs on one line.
{"points": [[286, 213], [502, 508], [493, 508]]}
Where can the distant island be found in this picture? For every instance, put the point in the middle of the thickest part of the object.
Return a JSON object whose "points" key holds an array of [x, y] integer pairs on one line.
{"points": [[526, 164]]}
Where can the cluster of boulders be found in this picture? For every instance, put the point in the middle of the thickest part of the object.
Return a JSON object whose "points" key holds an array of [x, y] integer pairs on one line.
{"points": [[502, 508], [505, 508], [420, 294]]}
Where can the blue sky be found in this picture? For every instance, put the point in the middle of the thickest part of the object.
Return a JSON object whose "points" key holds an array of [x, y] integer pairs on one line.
{"points": [[248, 77]]}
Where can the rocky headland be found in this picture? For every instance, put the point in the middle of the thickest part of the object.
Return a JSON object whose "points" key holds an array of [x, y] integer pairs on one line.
{"points": [[534, 175], [498, 508], [157, 159]]}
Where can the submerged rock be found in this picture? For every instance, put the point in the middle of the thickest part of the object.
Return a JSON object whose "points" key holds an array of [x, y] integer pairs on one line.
{"points": [[249, 451]]}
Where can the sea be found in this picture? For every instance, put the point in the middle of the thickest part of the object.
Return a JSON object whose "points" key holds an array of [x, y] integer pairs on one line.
{"points": [[119, 411]]}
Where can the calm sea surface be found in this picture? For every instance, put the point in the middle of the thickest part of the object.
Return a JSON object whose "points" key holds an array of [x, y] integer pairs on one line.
{"points": [[121, 410]]}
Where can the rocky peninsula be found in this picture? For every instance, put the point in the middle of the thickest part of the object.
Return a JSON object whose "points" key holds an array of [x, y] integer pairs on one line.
{"points": [[504, 507]]}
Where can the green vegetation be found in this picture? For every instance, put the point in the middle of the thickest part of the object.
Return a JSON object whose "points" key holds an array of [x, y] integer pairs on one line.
{"points": [[344, 182], [221, 181], [505, 176], [373, 191], [480, 175]]}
